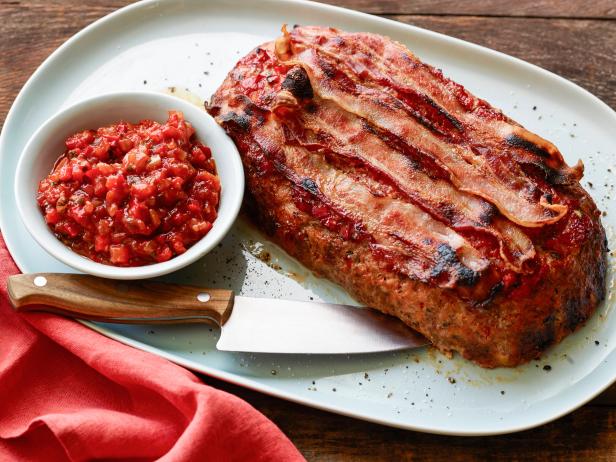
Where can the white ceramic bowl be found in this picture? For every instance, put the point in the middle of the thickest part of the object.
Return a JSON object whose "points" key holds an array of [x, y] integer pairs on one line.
{"points": [[47, 144]]}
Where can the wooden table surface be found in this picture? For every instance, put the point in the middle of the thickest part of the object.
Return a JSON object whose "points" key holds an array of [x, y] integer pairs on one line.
{"points": [[573, 38]]}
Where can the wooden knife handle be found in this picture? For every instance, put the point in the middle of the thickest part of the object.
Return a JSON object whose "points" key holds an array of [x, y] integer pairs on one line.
{"points": [[130, 302]]}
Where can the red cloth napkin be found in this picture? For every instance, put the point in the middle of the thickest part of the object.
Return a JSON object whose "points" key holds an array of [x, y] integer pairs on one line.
{"points": [[69, 393]]}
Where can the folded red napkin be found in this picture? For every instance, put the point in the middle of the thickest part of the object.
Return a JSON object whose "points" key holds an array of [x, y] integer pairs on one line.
{"points": [[69, 393]]}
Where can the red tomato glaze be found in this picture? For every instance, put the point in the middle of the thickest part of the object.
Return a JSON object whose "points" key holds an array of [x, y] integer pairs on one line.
{"points": [[132, 194]]}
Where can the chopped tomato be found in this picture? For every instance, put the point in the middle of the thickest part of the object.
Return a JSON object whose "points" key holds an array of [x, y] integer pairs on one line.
{"points": [[132, 194]]}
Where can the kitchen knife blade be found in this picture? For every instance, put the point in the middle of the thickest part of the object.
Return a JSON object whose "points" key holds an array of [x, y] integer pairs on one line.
{"points": [[250, 324], [285, 326]]}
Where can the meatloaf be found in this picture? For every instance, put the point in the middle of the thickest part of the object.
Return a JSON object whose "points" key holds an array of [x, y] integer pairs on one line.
{"points": [[423, 201]]}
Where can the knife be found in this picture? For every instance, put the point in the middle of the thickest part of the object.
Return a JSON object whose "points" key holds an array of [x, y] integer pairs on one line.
{"points": [[260, 325]]}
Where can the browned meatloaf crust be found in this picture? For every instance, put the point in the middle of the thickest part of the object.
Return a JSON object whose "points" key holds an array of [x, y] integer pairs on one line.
{"points": [[421, 200]]}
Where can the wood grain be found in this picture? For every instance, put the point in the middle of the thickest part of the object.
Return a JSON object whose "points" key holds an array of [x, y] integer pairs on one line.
{"points": [[587, 434], [581, 50], [575, 39], [525, 8], [128, 302]]}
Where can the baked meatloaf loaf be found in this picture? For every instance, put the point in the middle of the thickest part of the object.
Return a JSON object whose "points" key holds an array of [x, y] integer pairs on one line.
{"points": [[422, 200]]}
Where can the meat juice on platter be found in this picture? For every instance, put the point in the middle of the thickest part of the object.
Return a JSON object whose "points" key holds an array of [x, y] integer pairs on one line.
{"points": [[376, 171], [132, 194]]}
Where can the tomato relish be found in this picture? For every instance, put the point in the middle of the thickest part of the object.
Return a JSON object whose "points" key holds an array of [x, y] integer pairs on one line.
{"points": [[132, 194]]}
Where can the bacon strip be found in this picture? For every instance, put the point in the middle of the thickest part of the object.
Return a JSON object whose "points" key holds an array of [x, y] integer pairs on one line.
{"points": [[332, 131], [381, 62], [493, 178], [393, 224]]}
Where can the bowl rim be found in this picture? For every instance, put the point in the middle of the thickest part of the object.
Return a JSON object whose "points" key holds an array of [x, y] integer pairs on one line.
{"points": [[57, 249]]}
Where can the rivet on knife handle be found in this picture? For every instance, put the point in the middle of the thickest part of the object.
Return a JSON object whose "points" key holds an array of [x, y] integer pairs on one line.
{"points": [[131, 302]]}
